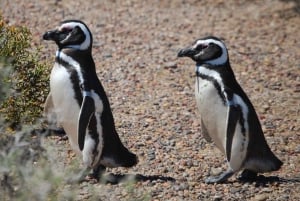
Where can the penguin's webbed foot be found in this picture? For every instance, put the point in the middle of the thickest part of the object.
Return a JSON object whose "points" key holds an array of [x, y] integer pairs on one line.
{"points": [[219, 178]]}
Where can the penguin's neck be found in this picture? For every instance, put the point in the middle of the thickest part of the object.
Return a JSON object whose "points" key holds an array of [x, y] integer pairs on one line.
{"points": [[222, 69], [69, 55], [73, 66], [207, 68], [74, 52], [63, 57]]}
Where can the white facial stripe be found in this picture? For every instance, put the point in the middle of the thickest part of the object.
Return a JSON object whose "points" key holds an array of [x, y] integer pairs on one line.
{"points": [[72, 62], [220, 60], [87, 42], [65, 39]]}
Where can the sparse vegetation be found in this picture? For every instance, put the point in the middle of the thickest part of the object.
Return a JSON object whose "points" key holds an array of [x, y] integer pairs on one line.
{"points": [[27, 76], [26, 172]]}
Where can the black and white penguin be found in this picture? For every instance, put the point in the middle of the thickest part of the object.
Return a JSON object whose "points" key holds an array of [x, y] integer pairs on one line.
{"points": [[227, 116], [79, 100]]}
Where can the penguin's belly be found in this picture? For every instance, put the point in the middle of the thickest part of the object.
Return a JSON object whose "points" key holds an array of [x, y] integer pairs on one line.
{"points": [[213, 112], [65, 104]]}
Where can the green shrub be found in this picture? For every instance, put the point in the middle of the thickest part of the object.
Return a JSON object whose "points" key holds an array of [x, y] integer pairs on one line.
{"points": [[28, 77]]}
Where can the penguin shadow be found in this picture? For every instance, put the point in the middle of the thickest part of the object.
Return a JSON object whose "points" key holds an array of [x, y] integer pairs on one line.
{"points": [[114, 179], [262, 180], [109, 178]]}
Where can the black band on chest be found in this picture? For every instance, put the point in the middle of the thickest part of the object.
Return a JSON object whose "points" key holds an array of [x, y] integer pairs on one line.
{"points": [[216, 85], [74, 77]]}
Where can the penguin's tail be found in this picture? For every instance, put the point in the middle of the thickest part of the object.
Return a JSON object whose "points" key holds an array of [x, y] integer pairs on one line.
{"points": [[274, 164], [277, 163], [128, 159], [121, 157], [263, 163]]}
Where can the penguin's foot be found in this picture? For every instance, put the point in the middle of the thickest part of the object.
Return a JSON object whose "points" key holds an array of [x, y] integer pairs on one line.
{"points": [[97, 173], [219, 178], [247, 176]]}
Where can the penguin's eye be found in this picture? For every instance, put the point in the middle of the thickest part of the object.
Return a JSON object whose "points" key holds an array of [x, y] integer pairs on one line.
{"points": [[65, 30], [201, 47]]}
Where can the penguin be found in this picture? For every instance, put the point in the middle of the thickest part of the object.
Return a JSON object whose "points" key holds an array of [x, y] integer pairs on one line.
{"points": [[228, 118], [79, 101]]}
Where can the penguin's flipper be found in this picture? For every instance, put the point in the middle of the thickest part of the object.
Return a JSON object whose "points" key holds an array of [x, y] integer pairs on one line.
{"points": [[86, 112], [234, 113]]}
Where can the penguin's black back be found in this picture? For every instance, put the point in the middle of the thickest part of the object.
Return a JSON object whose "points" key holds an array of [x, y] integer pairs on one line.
{"points": [[258, 148], [113, 147]]}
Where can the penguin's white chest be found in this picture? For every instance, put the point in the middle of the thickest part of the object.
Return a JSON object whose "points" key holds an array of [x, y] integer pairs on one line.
{"points": [[65, 104], [212, 110], [214, 114]]}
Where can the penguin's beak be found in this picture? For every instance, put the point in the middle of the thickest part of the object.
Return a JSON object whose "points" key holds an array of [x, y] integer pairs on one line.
{"points": [[186, 52], [50, 35], [55, 35]]}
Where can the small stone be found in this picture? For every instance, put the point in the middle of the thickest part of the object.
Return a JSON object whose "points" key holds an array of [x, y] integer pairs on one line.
{"points": [[170, 65], [215, 171], [260, 197], [234, 190]]}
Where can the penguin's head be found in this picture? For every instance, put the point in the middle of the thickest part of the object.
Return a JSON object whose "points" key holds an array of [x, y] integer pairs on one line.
{"points": [[71, 34], [209, 50]]}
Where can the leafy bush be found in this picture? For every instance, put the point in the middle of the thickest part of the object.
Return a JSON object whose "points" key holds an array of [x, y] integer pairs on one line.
{"points": [[28, 77]]}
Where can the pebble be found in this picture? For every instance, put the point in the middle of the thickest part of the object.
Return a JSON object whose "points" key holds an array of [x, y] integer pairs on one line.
{"points": [[171, 65], [260, 197], [152, 92]]}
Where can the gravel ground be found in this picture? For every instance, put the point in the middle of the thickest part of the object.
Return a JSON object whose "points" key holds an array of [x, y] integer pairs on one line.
{"points": [[152, 93]]}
